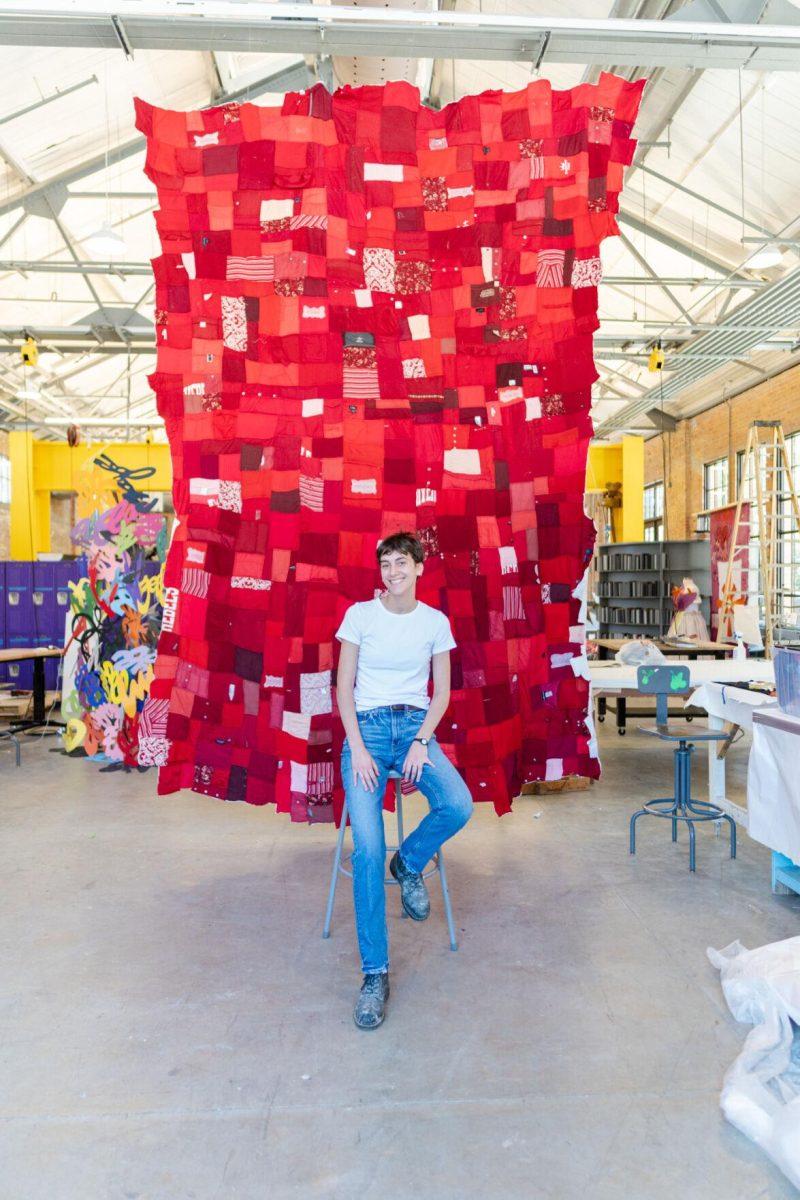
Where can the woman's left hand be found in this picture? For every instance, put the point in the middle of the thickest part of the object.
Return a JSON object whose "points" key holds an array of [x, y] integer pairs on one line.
{"points": [[416, 759]]}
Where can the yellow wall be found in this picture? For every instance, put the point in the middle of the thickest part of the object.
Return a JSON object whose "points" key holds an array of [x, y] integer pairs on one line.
{"points": [[622, 462], [39, 468]]}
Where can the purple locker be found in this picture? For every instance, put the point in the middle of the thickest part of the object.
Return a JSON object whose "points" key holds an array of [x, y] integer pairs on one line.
{"points": [[44, 604], [21, 623], [20, 675]]}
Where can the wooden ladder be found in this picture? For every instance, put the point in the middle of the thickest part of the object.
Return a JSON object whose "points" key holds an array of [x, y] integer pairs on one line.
{"points": [[767, 460]]}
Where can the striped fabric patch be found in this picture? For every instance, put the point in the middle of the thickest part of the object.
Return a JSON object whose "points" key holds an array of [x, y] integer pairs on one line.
{"points": [[260, 269], [194, 582], [308, 221], [360, 385], [312, 488], [513, 608]]}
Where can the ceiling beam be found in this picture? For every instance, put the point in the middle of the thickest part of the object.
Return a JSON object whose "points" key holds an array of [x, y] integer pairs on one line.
{"points": [[702, 257], [239, 25], [289, 79]]}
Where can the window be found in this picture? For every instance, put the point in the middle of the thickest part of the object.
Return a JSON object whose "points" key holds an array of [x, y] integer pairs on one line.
{"points": [[715, 483], [654, 512], [5, 480]]}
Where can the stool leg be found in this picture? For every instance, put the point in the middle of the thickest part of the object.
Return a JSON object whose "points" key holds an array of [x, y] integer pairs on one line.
{"points": [[398, 810], [398, 806], [337, 858], [691, 845], [677, 793], [732, 824], [641, 813], [448, 911]]}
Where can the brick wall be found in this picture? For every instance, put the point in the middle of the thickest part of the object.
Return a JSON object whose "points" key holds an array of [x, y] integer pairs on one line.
{"points": [[718, 431]]}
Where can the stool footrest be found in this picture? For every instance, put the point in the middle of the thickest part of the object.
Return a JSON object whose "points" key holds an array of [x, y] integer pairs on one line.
{"points": [[693, 810], [437, 864]]}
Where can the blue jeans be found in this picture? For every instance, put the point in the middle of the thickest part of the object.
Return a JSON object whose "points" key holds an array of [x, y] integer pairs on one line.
{"points": [[387, 735]]}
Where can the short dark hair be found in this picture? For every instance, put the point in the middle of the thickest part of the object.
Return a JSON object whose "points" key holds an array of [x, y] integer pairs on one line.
{"points": [[401, 543]]}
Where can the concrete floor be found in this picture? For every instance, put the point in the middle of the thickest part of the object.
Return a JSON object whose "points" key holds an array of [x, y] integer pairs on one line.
{"points": [[174, 1027]]}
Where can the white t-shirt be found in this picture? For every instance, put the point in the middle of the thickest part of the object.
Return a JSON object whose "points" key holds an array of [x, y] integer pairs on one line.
{"points": [[394, 652]]}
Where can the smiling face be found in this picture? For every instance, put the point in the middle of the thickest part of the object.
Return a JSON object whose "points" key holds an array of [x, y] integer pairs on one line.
{"points": [[400, 573]]}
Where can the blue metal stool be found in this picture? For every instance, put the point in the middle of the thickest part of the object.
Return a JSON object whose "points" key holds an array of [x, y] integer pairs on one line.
{"points": [[663, 682], [338, 868]]}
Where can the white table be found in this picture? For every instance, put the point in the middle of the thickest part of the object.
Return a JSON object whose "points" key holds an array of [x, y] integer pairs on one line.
{"points": [[715, 693], [773, 793], [735, 706]]}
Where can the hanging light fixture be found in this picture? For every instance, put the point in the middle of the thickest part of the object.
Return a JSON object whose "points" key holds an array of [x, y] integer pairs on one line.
{"points": [[105, 243]]}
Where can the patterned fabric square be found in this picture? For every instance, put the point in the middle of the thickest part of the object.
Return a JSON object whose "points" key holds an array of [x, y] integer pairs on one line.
{"points": [[372, 316]]}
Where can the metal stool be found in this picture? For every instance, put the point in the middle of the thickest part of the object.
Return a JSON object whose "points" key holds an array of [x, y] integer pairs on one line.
{"points": [[338, 868], [663, 682]]}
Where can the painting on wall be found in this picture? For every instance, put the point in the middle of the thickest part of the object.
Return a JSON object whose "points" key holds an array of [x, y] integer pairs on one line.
{"points": [[721, 526], [115, 618]]}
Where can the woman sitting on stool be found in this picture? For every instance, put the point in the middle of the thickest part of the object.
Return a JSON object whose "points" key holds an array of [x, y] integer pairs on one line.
{"points": [[388, 647]]}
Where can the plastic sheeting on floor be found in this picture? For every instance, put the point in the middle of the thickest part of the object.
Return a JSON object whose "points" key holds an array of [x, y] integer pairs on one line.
{"points": [[761, 1091]]}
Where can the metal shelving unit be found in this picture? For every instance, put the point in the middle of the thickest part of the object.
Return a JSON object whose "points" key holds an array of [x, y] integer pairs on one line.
{"points": [[635, 581]]}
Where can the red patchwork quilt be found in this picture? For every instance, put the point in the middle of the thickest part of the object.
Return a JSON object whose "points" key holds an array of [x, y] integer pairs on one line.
{"points": [[374, 316]]}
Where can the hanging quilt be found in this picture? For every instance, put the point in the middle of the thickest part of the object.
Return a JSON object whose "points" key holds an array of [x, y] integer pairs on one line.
{"points": [[372, 316]]}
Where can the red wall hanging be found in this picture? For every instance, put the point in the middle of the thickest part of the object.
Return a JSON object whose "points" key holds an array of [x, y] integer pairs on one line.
{"points": [[373, 316]]}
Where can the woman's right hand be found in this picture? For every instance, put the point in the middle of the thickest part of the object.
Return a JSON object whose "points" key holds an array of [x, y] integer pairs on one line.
{"points": [[364, 767]]}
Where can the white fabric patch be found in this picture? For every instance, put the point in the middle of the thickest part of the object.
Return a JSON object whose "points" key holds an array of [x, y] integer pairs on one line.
{"points": [[234, 322], [462, 462], [199, 488], [252, 583], [560, 660], [196, 555], [419, 326], [413, 368], [554, 768], [487, 259], [508, 560], [389, 172], [581, 592], [462, 191], [533, 408], [189, 265], [364, 487], [299, 777], [426, 496], [315, 693], [318, 311], [272, 681], [207, 139], [313, 408], [363, 298], [154, 751], [276, 210], [580, 666], [230, 495], [296, 724]]}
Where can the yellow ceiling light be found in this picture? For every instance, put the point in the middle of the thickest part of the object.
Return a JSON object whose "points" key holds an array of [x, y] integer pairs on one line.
{"points": [[656, 360], [29, 352]]}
